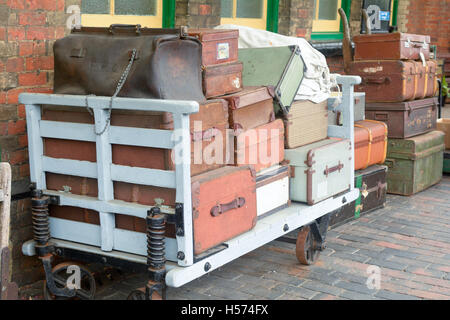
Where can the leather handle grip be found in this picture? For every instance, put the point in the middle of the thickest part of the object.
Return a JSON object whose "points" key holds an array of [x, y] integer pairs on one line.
{"points": [[339, 167], [222, 208], [205, 135], [136, 27], [379, 80]]}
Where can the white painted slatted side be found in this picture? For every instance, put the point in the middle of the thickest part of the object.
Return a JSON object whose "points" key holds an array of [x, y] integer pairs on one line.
{"points": [[90, 234], [113, 206], [182, 153], [69, 167], [143, 176], [35, 145], [140, 137], [67, 130], [173, 106]]}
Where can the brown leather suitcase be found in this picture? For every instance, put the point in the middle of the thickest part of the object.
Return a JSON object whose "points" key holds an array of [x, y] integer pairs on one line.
{"points": [[391, 46], [222, 79], [261, 147], [421, 80], [224, 205], [218, 46], [444, 126], [386, 81], [307, 122], [250, 108], [371, 138], [431, 79], [405, 119], [163, 63]]}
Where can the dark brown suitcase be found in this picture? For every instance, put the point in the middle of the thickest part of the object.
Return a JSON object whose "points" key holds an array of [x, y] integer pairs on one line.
{"points": [[222, 79], [405, 119], [250, 108], [386, 81], [372, 185], [219, 46], [223, 204], [391, 46], [166, 65]]}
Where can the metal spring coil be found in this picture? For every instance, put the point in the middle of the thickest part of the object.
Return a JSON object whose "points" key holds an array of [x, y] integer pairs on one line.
{"points": [[156, 245], [41, 228]]}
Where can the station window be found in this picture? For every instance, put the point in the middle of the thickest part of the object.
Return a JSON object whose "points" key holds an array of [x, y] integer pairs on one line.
{"points": [[250, 13]]}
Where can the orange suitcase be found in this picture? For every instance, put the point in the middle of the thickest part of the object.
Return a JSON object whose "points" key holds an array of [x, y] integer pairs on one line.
{"points": [[223, 205], [262, 147], [370, 143]]}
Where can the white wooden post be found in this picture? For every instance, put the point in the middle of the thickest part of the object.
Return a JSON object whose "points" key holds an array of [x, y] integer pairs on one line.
{"points": [[35, 145]]}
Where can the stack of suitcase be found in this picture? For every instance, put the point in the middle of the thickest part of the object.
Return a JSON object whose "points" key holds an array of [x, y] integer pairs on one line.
{"points": [[400, 83], [444, 126]]}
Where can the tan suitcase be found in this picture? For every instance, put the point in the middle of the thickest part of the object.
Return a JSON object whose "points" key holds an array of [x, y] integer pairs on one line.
{"points": [[307, 122]]}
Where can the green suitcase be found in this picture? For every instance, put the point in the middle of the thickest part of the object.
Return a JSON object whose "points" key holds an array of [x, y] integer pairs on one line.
{"points": [[415, 164], [320, 170], [447, 161], [281, 68]]}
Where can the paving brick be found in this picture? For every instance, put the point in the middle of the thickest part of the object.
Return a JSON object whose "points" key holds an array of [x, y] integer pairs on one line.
{"points": [[394, 296], [262, 292], [320, 287], [296, 291]]}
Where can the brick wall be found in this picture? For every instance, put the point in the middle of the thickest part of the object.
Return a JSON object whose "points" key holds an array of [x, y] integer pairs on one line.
{"points": [[197, 13], [28, 30]]}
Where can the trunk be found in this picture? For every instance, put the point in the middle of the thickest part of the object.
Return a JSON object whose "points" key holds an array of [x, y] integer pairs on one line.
{"points": [[272, 190], [415, 164], [335, 117], [250, 108], [262, 147], [386, 81], [279, 67], [224, 206], [320, 170], [372, 185], [392, 46], [222, 79], [370, 143], [307, 122], [218, 46], [167, 63], [444, 126], [405, 119]]}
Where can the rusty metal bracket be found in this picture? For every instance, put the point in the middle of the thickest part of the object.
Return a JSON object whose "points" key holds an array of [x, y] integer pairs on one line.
{"points": [[179, 221], [51, 280]]}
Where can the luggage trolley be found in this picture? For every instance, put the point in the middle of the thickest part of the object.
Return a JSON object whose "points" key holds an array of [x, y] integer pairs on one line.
{"points": [[169, 262]]}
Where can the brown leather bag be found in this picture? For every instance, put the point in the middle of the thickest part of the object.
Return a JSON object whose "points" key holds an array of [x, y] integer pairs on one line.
{"points": [[166, 64]]}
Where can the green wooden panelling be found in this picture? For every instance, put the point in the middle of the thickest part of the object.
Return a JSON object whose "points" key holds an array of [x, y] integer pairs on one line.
{"points": [[272, 15], [395, 13], [168, 13]]}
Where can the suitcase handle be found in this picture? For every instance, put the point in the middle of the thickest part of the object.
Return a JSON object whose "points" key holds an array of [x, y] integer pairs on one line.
{"points": [[379, 80], [339, 167], [136, 27], [222, 208]]}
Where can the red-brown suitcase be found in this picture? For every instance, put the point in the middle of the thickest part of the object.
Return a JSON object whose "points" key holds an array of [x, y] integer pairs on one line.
{"points": [[371, 138], [386, 81], [405, 119], [250, 108], [431, 79], [224, 205], [391, 46], [222, 79], [421, 80], [261, 147], [218, 46]]}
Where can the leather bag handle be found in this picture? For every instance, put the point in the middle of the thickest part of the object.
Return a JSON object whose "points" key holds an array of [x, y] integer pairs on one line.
{"points": [[379, 80], [222, 208], [327, 170], [136, 27]]}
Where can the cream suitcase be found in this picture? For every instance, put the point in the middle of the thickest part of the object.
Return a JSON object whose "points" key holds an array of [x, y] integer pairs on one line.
{"points": [[272, 189]]}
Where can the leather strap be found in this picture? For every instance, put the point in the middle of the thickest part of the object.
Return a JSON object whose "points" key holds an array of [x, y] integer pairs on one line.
{"points": [[222, 208]]}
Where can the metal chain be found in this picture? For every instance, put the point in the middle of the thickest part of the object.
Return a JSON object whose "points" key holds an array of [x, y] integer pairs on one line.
{"points": [[120, 84]]}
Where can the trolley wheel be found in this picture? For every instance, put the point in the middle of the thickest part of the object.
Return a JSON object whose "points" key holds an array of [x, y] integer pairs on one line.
{"points": [[139, 294], [87, 282], [305, 249]]}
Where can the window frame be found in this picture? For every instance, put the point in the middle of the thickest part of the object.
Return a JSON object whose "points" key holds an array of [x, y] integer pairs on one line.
{"points": [[165, 15], [346, 5]]}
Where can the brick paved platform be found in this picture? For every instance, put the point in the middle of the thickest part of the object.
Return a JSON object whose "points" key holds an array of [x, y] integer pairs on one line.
{"points": [[409, 241]]}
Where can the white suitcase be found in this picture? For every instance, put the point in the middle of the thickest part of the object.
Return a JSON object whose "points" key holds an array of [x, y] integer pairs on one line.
{"points": [[272, 190]]}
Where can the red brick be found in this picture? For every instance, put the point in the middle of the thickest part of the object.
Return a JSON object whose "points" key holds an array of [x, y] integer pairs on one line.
{"points": [[2, 34], [2, 66], [204, 10], [47, 5], [40, 33], [21, 111], [39, 63], [32, 18], [390, 245], [16, 4], [23, 141], [29, 48], [3, 130], [16, 33], [303, 13], [2, 97], [13, 95], [32, 79], [301, 32], [60, 32], [19, 156], [61, 5], [16, 127], [24, 170], [15, 65]]}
